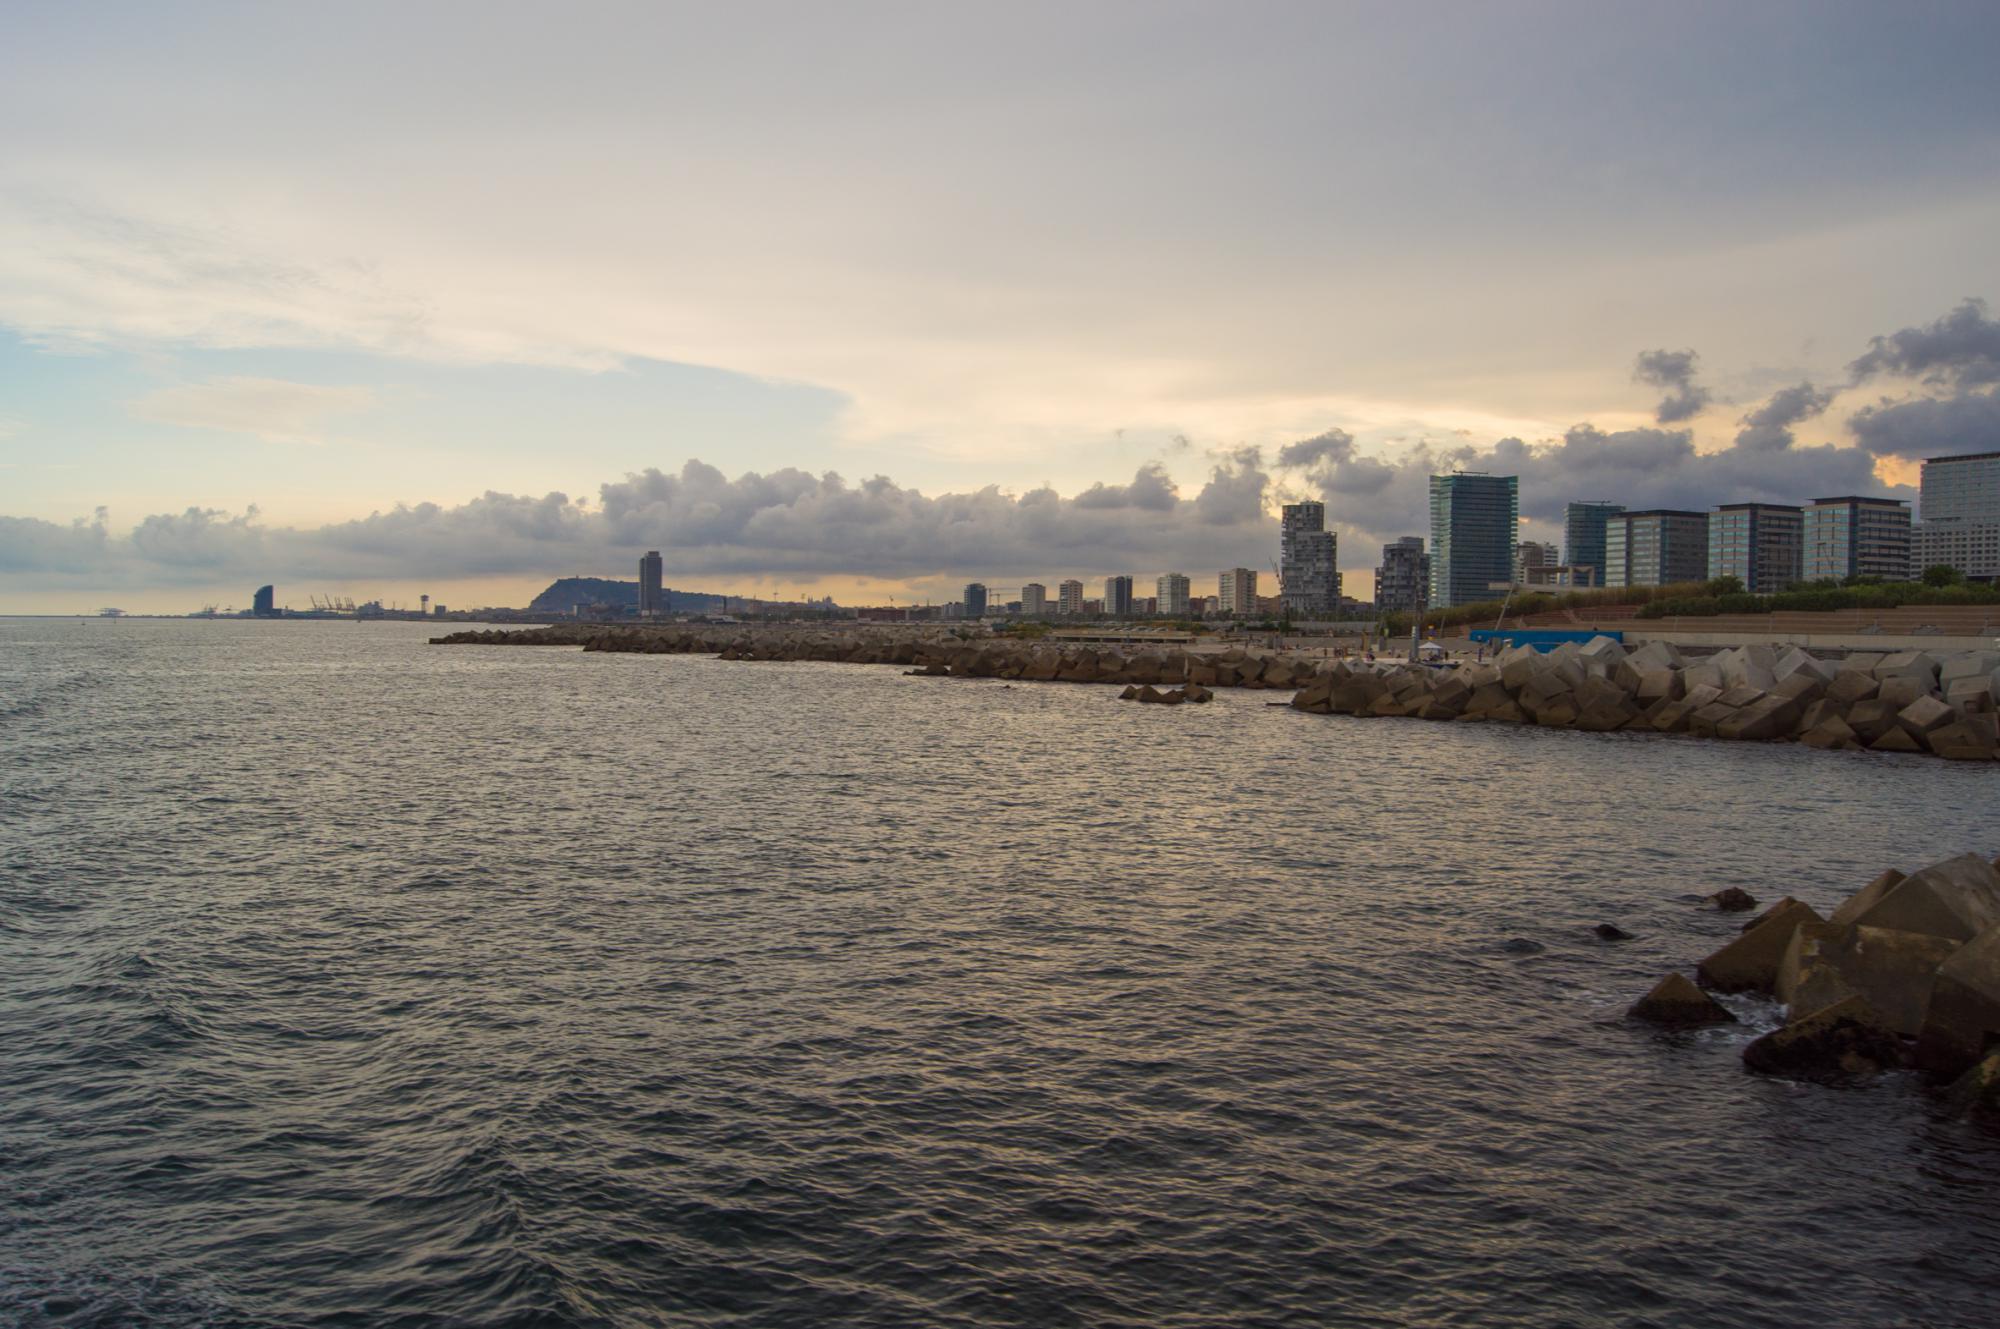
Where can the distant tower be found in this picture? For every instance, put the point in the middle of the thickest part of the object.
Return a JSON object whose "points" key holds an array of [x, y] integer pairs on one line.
{"points": [[424, 605], [974, 600], [1308, 555], [1117, 596], [650, 576], [263, 604]]}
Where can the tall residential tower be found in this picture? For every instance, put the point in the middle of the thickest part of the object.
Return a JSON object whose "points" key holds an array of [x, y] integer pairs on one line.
{"points": [[1308, 562]]}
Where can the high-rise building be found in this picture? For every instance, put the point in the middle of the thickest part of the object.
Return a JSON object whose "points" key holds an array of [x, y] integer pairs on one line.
{"points": [[1474, 519], [1534, 557], [1958, 515], [1760, 544], [651, 598], [1236, 592], [1069, 598], [1857, 537], [1584, 529], [1403, 582], [1117, 596], [1034, 599], [263, 602], [1658, 547], [1172, 589], [974, 600], [1308, 562]]}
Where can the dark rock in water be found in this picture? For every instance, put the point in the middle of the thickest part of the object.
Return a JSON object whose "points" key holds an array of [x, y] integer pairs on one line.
{"points": [[1611, 932], [1522, 946], [1978, 1090], [1131, 692], [1678, 1003], [1846, 1038], [1733, 900]]}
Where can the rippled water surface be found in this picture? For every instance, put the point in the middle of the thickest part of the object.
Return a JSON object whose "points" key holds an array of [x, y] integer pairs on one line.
{"points": [[346, 980]]}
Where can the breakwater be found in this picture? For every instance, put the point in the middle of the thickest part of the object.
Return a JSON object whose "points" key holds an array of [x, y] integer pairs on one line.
{"points": [[1904, 973], [1911, 701]]}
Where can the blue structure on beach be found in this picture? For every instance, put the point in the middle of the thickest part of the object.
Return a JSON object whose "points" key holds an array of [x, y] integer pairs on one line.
{"points": [[1542, 639]]}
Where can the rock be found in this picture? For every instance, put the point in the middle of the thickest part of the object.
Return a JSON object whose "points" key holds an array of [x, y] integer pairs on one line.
{"points": [[1677, 1003], [1978, 1090], [1896, 740], [1768, 718], [1522, 946], [1750, 962], [1197, 693], [1732, 899], [1892, 971], [1846, 1038], [1872, 719], [1850, 685], [1831, 733], [1962, 1022], [1924, 715], [1131, 693], [1902, 689], [1149, 693], [1864, 899], [1611, 932], [1958, 898], [1974, 738]]}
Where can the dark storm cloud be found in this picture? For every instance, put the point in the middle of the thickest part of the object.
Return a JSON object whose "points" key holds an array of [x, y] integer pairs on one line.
{"points": [[1673, 372], [1960, 350], [1929, 426], [1768, 428]]}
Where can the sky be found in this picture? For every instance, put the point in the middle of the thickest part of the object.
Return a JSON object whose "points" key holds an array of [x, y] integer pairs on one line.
{"points": [[872, 300]]}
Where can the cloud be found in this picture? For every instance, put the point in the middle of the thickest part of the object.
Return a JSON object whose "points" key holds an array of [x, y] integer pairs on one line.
{"points": [[1151, 489], [1672, 371], [269, 408], [1335, 445], [29, 545], [1929, 426], [1960, 349], [1768, 428], [1376, 500], [782, 523]]}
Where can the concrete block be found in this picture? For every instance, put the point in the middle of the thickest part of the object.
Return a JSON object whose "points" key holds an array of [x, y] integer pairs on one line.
{"points": [[1864, 899], [1831, 734], [1705, 722], [1872, 719], [1793, 662], [1896, 740], [1846, 1038], [1766, 718], [1851, 685], [1925, 714], [1972, 738], [1891, 970], [1962, 1022], [1899, 690], [1958, 898], [1702, 674], [1750, 962], [1967, 664], [1679, 1004]]}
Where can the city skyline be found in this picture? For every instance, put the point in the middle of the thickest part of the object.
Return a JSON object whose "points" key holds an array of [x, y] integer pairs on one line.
{"points": [[1052, 303]]}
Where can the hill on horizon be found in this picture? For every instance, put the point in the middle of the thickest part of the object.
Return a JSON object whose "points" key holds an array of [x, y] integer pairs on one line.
{"points": [[564, 594]]}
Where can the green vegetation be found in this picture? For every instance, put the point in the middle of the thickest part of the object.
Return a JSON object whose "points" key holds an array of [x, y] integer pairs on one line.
{"points": [[1943, 574], [1819, 596], [1486, 613]]}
